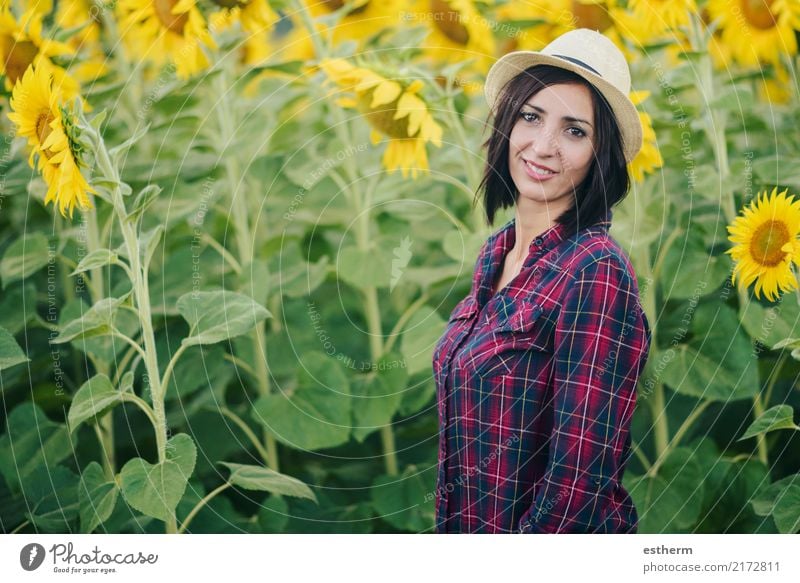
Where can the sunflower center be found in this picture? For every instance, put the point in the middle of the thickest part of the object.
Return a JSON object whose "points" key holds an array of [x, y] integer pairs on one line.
{"points": [[448, 21], [758, 13], [336, 4], [592, 16], [382, 117], [766, 243], [172, 22], [43, 129], [231, 3], [20, 56]]}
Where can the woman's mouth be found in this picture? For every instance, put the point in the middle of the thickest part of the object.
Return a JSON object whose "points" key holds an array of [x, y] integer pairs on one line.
{"points": [[537, 173]]}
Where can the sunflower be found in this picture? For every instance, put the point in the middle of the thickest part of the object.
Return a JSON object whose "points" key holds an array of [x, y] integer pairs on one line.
{"points": [[659, 16], [649, 158], [364, 19], [87, 40], [43, 7], [393, 110], [255, 15], [52, 135], [766, 243], [755, 31], [22, 45], [163, 30], [457, 32], [559, 16]]}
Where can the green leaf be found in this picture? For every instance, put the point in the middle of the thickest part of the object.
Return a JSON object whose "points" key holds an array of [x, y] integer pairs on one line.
{"points": [[147, 196], [97, 497], [52, 497], [787, 510], [93, 399], [689, 270], [119, 152], [718, 362], [31, 441], [264, 479], [764, 500], [10, 352], [463, 247], [97, 321], [17, 306], [103, 347], [377, 395], [420, 334], [316, 413], [364, 268], [273, 515], [25, 256], [97, 258], [672, 500], [778, 417], [215, 316], [156, 489], [405, 501], [773, 325]]}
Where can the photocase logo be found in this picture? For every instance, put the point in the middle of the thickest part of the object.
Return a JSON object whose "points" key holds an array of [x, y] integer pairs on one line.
{"points": [[31, 556]]}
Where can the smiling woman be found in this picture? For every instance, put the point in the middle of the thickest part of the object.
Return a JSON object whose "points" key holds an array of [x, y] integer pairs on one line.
{"points": [[537, 369]]}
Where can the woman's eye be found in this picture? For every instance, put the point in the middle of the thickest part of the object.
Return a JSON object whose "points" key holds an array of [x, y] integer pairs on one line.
{"points": [[528, 116], [578, 133]]}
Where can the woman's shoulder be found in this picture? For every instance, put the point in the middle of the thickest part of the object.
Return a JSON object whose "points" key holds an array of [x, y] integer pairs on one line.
{"points": [[592, 247]]}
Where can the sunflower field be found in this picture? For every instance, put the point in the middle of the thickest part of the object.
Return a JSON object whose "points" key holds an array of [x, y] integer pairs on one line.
{"points": [[231, 232]]}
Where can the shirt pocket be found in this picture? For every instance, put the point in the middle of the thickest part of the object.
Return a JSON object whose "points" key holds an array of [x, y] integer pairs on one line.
{"points": [[520, 326]]}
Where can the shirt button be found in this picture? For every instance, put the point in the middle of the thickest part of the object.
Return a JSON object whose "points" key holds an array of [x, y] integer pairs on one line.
{"points": [[539, 241]]}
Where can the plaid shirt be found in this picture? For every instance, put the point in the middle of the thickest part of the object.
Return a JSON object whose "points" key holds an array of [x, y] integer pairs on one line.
{"points": [[536, 389]]}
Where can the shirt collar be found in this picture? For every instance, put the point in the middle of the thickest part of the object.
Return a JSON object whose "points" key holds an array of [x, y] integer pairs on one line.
{"points": [[500, 243]]}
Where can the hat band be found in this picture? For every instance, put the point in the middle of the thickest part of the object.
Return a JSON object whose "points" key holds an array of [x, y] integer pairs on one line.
{"points": [[578, 62]]}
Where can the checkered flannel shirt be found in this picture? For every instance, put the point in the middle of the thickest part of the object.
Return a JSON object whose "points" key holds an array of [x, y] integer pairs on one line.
{"points": [[536, 389]]}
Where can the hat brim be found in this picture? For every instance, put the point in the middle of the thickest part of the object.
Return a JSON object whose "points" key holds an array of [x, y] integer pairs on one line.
{"points": [[512, 64]]}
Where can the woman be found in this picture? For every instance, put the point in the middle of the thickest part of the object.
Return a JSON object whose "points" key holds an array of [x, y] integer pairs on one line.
{"points": [[537, 369]]}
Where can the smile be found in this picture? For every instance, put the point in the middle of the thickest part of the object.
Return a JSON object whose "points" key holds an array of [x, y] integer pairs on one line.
{"points": [[537, 173]]}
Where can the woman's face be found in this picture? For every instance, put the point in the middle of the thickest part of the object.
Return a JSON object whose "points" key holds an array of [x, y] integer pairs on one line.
{"points": [[554, 129]]}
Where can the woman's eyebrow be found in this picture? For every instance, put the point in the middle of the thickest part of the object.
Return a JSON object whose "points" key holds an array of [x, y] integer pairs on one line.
{"points": [[566, 117]]}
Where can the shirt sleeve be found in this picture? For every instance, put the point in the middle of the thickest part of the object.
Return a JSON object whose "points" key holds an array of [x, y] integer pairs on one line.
{"points": [[601, 342]]}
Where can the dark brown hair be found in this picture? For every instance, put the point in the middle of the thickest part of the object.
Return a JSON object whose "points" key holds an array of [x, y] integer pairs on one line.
{"points": [[607, 181]]}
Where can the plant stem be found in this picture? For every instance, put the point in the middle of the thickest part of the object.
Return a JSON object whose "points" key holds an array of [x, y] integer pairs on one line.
{"points": [[200, 505], [372, 308], [265, 455], [141, 296], [685, 426], [758, 411], [244, 238]]}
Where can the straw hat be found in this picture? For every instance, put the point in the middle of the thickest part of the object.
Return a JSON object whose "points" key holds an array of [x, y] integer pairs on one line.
{"points": [[592, 56]]}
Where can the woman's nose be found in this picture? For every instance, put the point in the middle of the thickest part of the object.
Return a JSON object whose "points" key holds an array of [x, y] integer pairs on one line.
{"points": [[544, 144]]}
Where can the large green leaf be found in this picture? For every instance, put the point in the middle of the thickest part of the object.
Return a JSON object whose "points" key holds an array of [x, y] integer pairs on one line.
{"points": [[156, 489], [52, 496], [264, 479], [31, 441], [95, 259], [315, 413], [777, 417], [364, 268], [771, 324], [670, 501], [25, 256], [787, 510], [215, 316], [378, 394], [97, 321], [689, 270], [420, 334], [403, 500], [103, 346], [97, 497], [93, 399], [17, 306], [764, 500], [10, 352], [718, 363]]}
